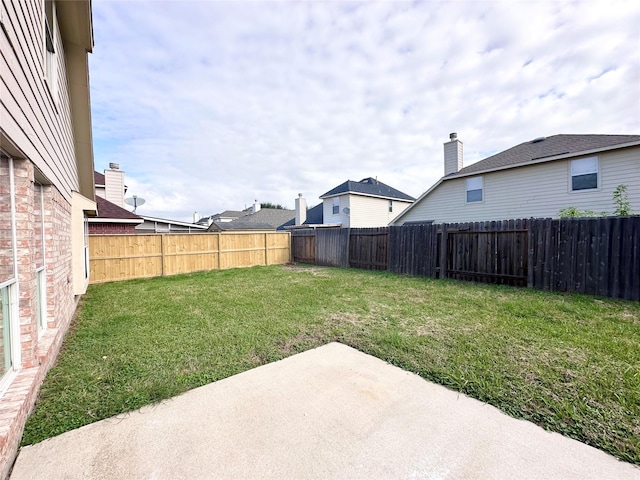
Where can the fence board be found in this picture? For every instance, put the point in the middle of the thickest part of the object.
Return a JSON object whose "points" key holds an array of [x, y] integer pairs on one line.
{"points": [[368, 248], [332, 247], [303, 246], [123, 257], [595, 256]]}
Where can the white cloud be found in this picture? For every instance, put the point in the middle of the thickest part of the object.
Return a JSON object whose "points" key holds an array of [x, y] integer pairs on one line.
{"points": [[209, 105]]}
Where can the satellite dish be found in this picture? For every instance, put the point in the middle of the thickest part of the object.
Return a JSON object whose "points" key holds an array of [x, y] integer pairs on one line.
{"points": [[134, 201], [346, 210]]}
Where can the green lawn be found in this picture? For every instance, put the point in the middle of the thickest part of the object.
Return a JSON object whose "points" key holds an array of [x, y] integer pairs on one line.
{"points": [[570, 363]]}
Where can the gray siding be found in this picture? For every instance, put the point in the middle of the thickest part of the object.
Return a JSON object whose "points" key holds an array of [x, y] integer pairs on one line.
{"points": [[36, 117], [535, 191]]}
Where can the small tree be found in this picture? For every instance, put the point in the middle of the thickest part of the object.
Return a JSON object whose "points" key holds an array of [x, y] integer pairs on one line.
{"points": [[277, 206], [621, 201]]}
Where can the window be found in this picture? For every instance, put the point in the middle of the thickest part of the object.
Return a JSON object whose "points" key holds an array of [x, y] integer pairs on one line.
{"points": [[474, 189], [584, 174], [336, 205], [50, 52], [8, 270], [38, 251], [390, 206]]}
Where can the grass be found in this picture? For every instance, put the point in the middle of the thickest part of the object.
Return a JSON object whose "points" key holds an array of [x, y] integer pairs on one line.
{"points": [[569, 363]]}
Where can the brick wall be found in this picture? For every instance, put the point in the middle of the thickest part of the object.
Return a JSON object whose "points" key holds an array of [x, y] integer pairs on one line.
{"points": [[38, 349], [112, 228]]}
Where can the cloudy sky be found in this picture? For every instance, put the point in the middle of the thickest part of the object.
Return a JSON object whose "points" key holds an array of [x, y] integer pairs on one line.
{"points": [[208, 105]]}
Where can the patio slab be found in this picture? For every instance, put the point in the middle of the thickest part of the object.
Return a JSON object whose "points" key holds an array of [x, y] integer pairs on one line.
{"points": [[331, 412]]}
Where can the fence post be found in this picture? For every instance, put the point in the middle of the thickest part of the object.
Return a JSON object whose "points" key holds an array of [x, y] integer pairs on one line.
{"points": [[443, 252], [162, 254], [266, 250]]}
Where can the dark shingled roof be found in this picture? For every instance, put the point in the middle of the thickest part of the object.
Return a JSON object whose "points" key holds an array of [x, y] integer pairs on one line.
{"points": [[315, 216], [264, 219], [98, 178], [368, 186], [106, 209], [541, 148]]}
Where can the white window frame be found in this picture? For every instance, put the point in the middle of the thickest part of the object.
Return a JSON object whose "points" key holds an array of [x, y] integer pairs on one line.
{"points": [[12, 287], [50, 64], [335, 206], [390, 206], [576, 161], [467, 190], [41, 274]]}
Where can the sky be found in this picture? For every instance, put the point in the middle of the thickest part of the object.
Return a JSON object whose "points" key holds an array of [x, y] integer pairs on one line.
{"points": [[210, 105]]}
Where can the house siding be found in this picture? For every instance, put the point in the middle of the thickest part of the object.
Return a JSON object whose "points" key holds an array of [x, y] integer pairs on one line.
{"points": [[341, 218], [540, 190], [31, 117], [39, 138], [374, 212]]}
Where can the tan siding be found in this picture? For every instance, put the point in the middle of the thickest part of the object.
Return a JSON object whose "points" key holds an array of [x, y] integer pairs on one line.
{"points": [[535, 191], [373, 212], [30, 118]]}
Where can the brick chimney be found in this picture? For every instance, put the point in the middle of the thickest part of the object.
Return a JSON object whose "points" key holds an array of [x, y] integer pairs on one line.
{"points": [[452, 155], [301, 210], [114, 184]]}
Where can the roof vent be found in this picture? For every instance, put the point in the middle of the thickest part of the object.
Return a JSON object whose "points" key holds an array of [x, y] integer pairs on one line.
{"points": [[538, 140], [453, 136]]}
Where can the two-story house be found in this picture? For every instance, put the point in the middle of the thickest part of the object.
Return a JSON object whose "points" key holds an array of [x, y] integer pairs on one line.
{"points": [[46, 194]]}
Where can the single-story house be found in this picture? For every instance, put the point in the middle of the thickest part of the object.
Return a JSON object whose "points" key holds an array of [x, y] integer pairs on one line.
{"points": [[165, 225], [537, 178], [259, 219], [46, 195]]}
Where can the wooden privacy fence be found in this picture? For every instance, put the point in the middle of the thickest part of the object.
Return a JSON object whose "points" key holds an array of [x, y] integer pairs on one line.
{"points": [[123, 257], [599, 256]]}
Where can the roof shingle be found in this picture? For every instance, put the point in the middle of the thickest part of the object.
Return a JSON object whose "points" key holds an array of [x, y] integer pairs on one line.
{"points": [[368, 186], [541, 148]]}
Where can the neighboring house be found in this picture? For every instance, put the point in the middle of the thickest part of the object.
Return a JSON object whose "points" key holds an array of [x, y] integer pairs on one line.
{"points": [[260, 219], [367, 203], [224, 217], [46, 194], [113, 217], [534, 179], [165, 225]]}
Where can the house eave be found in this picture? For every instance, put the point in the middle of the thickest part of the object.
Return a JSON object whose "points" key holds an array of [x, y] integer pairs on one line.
{"points": [[537, 161], [383, 197], [417, 201]]}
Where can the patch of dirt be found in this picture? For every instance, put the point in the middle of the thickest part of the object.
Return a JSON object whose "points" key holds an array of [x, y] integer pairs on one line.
{"points": [[316, 271]]}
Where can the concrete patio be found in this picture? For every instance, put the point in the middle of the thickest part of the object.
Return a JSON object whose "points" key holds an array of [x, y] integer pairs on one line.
{"points": [[332, 412]]}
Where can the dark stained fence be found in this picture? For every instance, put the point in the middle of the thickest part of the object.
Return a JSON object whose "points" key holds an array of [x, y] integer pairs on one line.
{"points": [[488, 252], [597, 256], [369, 248], [415, 250], [332, 247], [303, 246]]}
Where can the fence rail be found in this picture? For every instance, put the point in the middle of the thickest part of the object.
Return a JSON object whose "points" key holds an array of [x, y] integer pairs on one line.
{"points": [[124, 257], [599, 256]]}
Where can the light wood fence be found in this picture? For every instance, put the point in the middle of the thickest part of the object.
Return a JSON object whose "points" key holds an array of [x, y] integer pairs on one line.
{"points": [[123, 257]]}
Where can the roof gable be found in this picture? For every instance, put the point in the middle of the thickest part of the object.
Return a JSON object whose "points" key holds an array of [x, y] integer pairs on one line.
{"points": [[368, 186]]}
